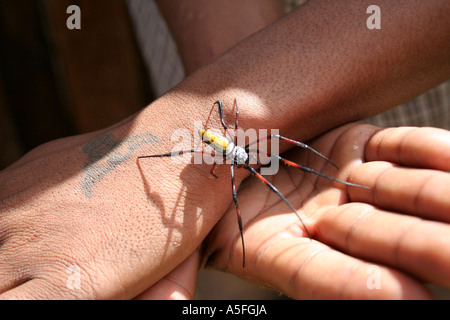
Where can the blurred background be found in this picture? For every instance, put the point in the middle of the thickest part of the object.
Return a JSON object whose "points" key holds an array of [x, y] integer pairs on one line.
{"points": [[56, 82]]}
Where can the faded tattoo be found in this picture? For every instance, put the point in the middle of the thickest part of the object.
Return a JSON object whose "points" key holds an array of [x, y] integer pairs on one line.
{"points": [[105, 153]]}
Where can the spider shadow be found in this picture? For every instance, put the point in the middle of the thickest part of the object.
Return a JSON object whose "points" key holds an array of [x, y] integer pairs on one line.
{"points": [[153, 197], [194, 199]]}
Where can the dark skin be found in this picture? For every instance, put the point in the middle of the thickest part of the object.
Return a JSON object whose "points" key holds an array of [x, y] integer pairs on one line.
{"points": [[401, 220], [353, 229], [198, 55], [131, 226]]}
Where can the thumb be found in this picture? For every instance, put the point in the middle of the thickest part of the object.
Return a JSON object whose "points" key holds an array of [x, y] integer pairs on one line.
{"points": [[179, 284]]}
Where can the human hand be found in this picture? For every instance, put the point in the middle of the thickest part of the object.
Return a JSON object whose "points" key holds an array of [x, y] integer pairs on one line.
{"points": [[80, 218], [385, 242]]}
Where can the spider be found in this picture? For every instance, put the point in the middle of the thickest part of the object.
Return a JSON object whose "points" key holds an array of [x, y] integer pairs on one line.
{"points": [[239, 156]]}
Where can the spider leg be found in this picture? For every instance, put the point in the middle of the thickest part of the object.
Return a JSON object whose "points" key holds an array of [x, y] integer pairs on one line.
{"points": [[297, 143], [181, 152], [309, 170], [176, 153], [212, 170], [238, 214], [236, 121], [274, 189], [222, 118]]}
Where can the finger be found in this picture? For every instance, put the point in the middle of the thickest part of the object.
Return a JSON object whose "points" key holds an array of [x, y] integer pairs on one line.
{"points": [[47, 289], [10, 279], [417, 192], [28, 290], [312, 270], [179, 284], [15, 269], [304, 269], [416, 246], [409, 146]]}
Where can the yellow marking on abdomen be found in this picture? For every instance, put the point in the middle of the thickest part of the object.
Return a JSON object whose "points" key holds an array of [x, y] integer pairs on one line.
{"points": [[215, 141]]}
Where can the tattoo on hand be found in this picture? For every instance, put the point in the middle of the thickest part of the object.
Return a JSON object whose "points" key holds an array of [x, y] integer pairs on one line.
{"points": [[105, 153]]}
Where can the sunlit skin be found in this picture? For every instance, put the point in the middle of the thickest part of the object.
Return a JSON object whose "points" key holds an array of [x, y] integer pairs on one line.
{"points": [[239, 157], [353, 229]]}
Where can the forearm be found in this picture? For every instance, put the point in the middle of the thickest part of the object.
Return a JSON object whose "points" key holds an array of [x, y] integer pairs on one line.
{"points": [[205, 29], [86, 203], [322, 66]]}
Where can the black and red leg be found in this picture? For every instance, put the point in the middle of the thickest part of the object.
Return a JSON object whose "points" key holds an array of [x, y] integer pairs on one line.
{"points": [[309, 170], [275, 190], [222, 117], [297, 143], [238, 214]]}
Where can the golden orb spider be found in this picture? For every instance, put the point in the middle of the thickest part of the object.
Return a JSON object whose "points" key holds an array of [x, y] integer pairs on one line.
{"points": [[240, 158]]}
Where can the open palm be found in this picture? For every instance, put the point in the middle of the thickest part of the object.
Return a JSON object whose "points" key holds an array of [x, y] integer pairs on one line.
{"points": [[379, 243]]}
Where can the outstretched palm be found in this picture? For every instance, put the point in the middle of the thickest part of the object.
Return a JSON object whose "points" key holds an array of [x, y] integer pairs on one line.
{"points": [[366, 243]]}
